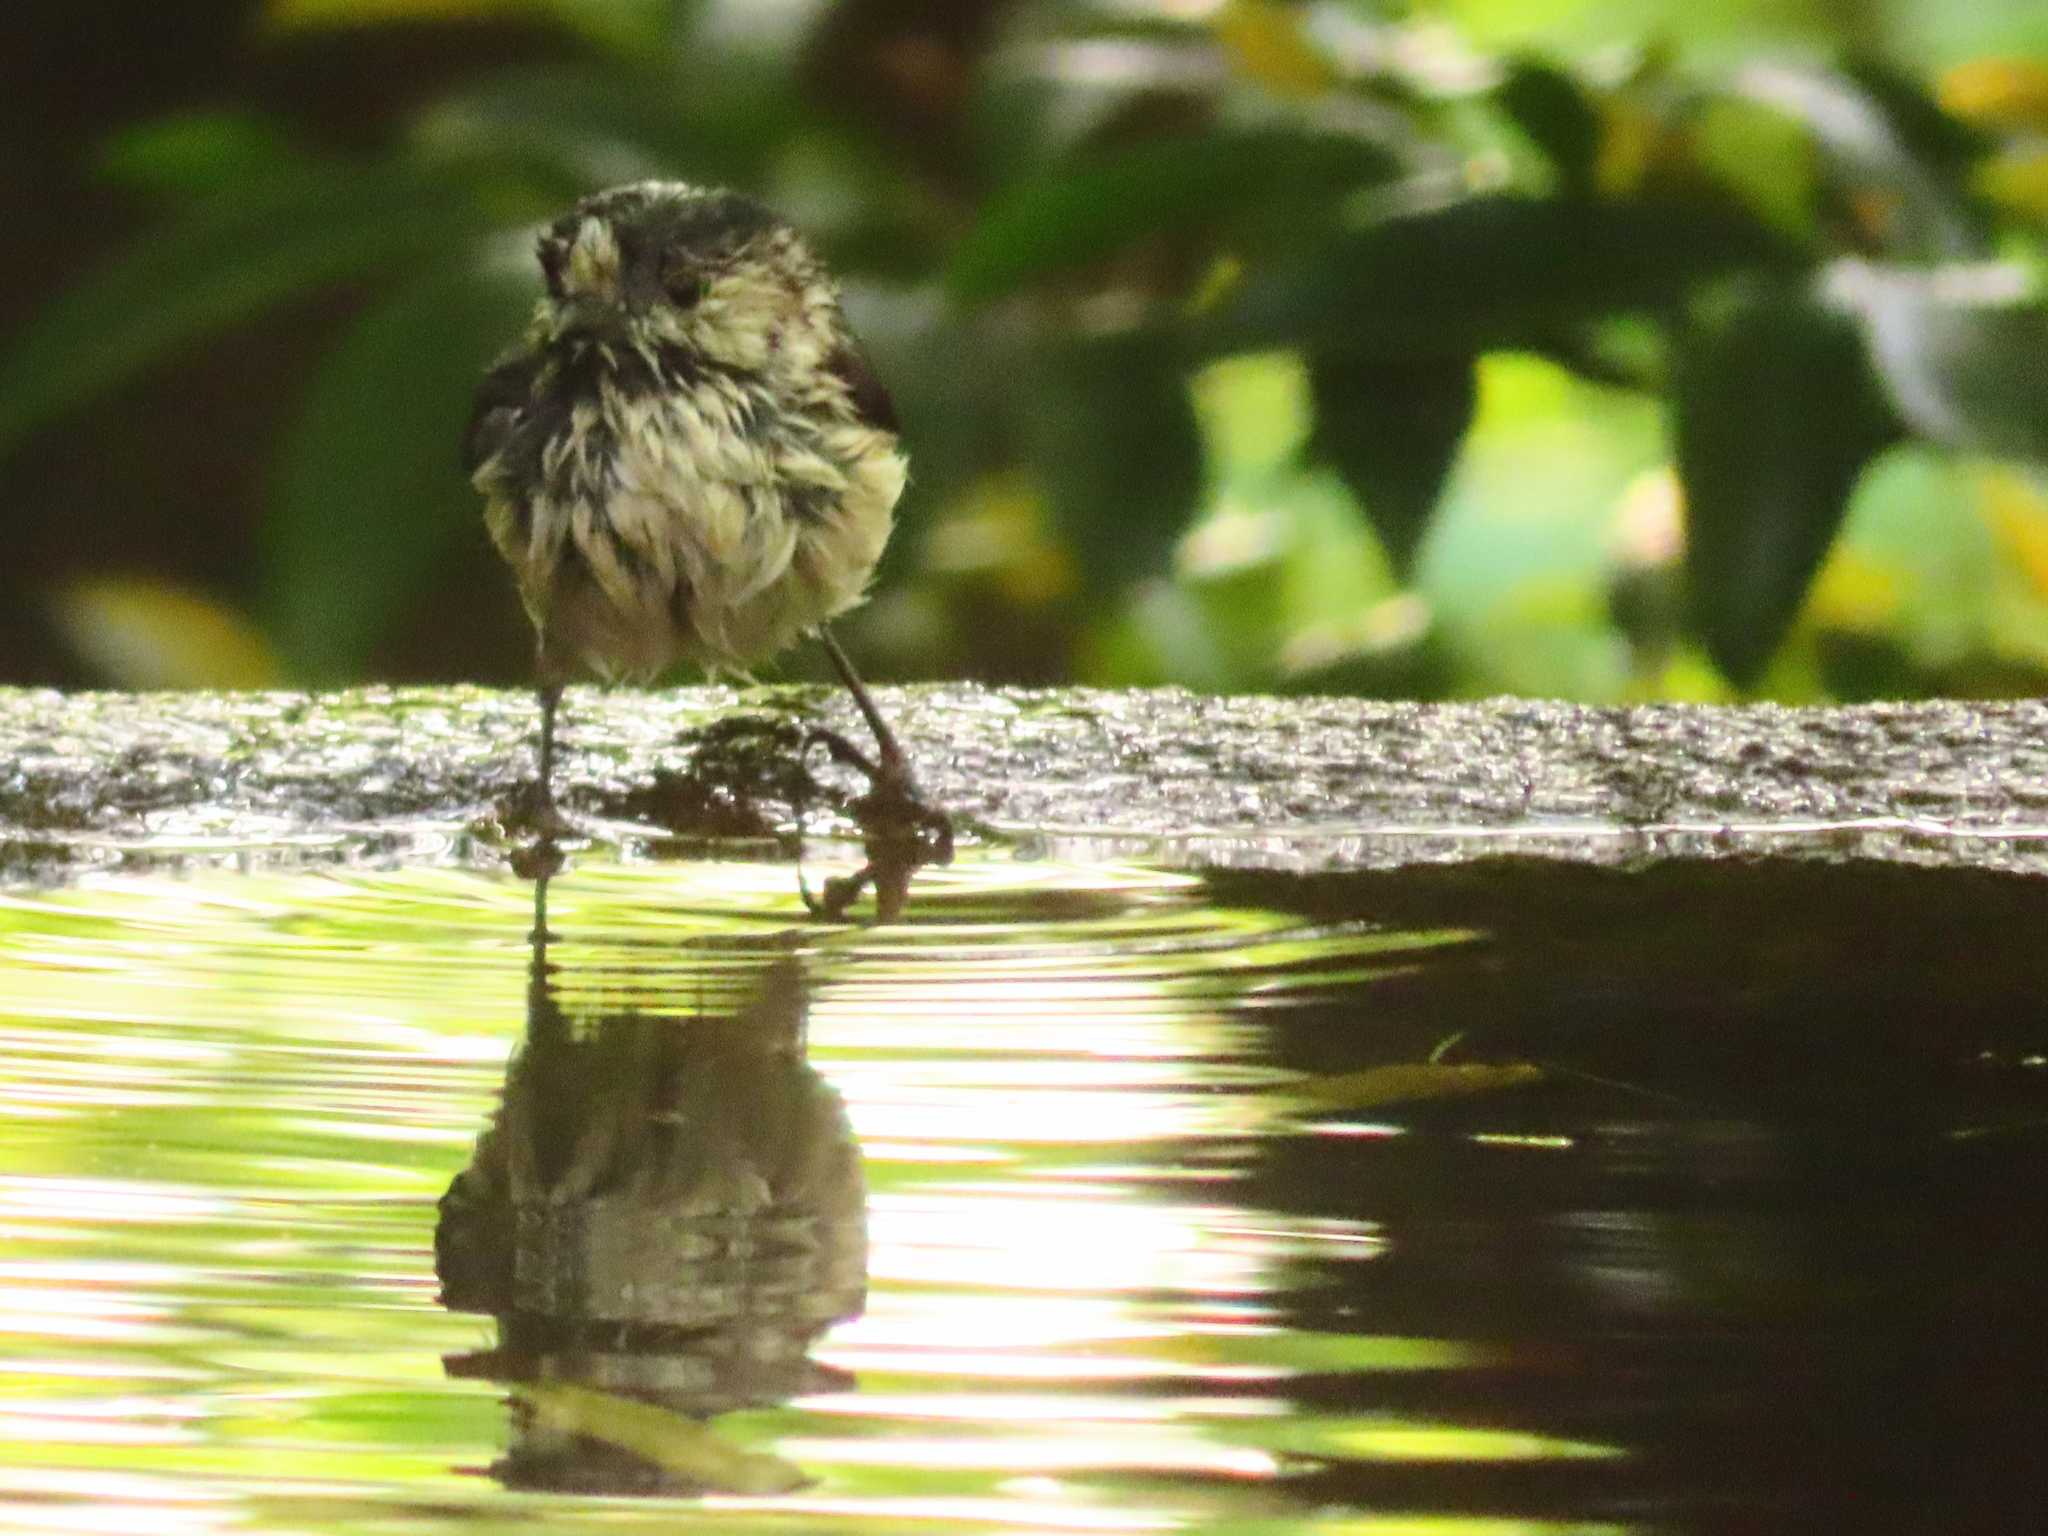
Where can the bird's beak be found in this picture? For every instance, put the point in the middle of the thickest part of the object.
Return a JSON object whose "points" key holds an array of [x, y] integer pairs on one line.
{"points": [[639, 288], [591, 317]]}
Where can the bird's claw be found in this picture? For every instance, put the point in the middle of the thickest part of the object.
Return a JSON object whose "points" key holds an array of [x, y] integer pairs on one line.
{"points": [[538, 860], [530, 810], [900, 832]]}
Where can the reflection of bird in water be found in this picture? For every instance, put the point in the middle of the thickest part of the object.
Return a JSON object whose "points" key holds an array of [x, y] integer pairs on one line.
{"points": [[664, 1215]]}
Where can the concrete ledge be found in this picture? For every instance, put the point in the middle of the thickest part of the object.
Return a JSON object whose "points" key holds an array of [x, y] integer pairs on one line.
{"points": [[1195, 781]]}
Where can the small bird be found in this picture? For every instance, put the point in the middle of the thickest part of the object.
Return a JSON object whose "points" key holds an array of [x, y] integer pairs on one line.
{"points": [[686, 457]]}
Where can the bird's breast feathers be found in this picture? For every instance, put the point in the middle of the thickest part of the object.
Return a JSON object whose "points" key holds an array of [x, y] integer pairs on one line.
{"points": [[709, 521]]}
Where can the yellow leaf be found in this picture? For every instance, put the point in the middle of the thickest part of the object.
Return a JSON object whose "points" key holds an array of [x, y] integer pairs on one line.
{"points": [[2017, 511], [1265, 42], [1998, 93], [1631, 139], [1223, 278], [143, 632], [999, 530], [1854, 592], [679, 1446], [2018, 181], [1392, 1439], [1410, 1082]]}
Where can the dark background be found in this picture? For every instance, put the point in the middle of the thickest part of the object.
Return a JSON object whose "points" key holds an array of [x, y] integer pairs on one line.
{"points": [[164, 474], [1349, 347]]}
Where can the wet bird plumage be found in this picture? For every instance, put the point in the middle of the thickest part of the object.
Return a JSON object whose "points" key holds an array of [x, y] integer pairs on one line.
{"points": [[686, 458]]}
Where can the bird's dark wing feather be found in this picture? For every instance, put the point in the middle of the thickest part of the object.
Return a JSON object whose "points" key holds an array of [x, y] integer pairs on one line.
{"points": [[870, 399], [506, 391]]}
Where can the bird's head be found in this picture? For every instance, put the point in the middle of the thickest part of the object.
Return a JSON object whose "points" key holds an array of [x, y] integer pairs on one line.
{"points": [[663, 263]]}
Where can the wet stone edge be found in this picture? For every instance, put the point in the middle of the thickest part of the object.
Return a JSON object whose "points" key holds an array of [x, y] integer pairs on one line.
{"points": [[1198, 781]]}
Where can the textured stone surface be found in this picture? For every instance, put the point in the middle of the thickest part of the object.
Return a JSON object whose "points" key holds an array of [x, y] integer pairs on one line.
{"points": [[1183, 778]]}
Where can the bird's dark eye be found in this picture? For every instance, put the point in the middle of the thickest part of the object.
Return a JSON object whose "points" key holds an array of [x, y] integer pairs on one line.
{"points": [[683, 284]]}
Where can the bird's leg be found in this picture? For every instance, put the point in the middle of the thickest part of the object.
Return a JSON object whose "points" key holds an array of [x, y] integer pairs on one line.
{"points": [[535, 808], [891, 764], [899, 832], [550, 704]]}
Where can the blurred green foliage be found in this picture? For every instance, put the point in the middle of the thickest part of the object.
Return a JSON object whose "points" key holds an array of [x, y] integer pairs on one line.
{"points": [[1435, 349]]}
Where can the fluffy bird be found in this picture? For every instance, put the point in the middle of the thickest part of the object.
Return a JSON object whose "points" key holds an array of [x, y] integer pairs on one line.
{"points": [[686, 457]]}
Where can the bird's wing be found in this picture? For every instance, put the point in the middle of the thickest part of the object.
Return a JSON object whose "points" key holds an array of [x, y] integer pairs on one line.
{"points": [[506, 391], [870, 399]]}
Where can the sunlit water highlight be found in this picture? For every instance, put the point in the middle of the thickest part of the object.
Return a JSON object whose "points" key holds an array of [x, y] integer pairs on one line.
{"points": [[1088, 1199]]}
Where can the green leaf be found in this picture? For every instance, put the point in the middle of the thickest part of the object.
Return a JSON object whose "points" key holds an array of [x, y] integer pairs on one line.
{"points": [[1485, 274], [1579, 27], [1083, 212], [1552, 109], [1391, 428], [1776, 414], [199, 153], [1765, 157], [576, 128], [252, 246], [1412, 1082], [369, 489], [1921, 125], [630, 27], [1963, 349], [1110, 430]]}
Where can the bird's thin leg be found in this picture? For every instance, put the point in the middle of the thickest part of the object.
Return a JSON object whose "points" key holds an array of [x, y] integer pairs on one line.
{"points": [[841, 751], [536, 810], [550, 704], [533, 810], [899, 832], [893, 764]]}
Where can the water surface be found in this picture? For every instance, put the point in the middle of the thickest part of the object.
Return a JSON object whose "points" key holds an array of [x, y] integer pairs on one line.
{"points": [[1088, 1198]]}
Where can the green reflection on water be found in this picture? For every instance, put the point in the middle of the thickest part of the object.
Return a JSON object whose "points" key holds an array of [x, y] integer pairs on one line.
{"points": [[229, 1107]]}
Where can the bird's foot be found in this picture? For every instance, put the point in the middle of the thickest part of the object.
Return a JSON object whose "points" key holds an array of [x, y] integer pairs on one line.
{"points": [[531, 808], [900, 832], [531, 811], [538, 860]]}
